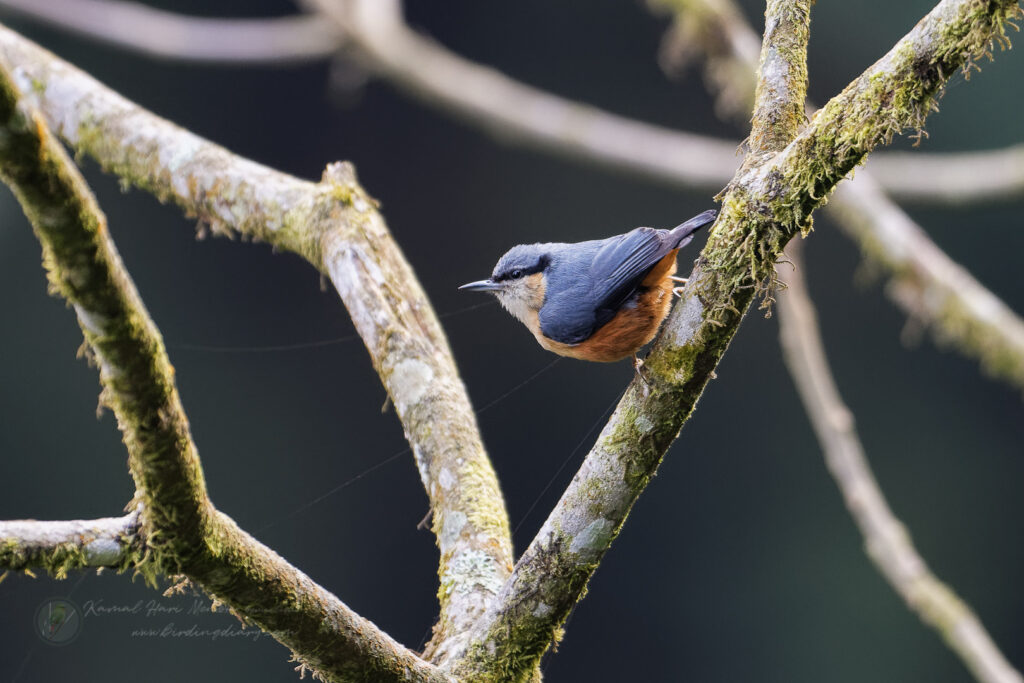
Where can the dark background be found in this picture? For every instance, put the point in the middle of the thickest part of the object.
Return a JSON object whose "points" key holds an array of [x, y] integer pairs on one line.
{"points": [[738, 563]]}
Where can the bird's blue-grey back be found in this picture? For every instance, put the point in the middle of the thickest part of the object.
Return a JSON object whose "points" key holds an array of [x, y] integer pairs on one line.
{"points": [[587, 283]]}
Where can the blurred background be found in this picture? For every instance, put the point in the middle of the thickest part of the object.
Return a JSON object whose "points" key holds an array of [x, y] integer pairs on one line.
{"points": [[738, 563]]}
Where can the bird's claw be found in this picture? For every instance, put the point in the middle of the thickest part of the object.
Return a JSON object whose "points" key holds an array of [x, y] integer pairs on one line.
{"points": [[638, 364]]}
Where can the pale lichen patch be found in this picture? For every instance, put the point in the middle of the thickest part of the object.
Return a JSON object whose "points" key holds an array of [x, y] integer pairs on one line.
{"points": [[446, 479], [688, 319], [644, 424], [409, 382], [454, 522], [594, 537], [94, 322], [102, 552], [470, 571]]}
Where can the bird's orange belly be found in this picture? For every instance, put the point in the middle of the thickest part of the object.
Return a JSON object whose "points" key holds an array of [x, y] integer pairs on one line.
{"points": [[625, 334]]}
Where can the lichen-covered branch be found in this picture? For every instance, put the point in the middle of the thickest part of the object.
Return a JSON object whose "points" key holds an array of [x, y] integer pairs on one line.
{"points": [[335, 225], [83, 266], [887, 541], [406, 58], [60, 547], [927, 284], [159, 33], [765, 206], [781, 76], [178, 528]]}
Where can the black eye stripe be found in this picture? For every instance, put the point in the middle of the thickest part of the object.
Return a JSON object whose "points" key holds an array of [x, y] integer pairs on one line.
{"points": [[519, 272]]}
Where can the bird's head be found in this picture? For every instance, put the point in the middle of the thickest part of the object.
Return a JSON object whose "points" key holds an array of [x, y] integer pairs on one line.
{"points": [[518, 280]]}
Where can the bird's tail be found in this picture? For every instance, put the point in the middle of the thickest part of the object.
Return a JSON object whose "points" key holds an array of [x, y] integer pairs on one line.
{"points": [[684, 233]]}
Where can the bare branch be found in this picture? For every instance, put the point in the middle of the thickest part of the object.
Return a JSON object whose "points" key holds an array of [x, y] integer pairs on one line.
{"points": [[335, 226], [178, 526], [59, 547], [159, 33], [885, 538], [764, 207]]}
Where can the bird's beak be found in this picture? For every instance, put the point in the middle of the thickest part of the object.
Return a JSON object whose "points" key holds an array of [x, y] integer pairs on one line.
{"points": [[487, 285]]}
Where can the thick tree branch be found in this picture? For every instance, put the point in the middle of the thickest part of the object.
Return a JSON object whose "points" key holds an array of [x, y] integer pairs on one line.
{"points": [[781, 76], [159, 33], [925, 283], [59, 547], [764, 207], [334, 225], [885, 538], [494, 101], [180, 531]]}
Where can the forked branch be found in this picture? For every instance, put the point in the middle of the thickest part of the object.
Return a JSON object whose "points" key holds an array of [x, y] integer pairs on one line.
{"points": [[179, 530]]}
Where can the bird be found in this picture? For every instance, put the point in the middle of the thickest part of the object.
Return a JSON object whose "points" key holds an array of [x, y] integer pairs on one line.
{"points": [[599, 300]]}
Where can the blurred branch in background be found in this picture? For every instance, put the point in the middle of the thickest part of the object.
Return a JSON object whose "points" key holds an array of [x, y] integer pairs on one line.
{"points": [[885, 538], [926, 283], [972, 318], [159, 33], [952, 178], [508, 108]]}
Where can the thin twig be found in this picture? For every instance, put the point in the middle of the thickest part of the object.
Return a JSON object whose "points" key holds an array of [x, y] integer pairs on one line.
{"points": [[885, 538]]}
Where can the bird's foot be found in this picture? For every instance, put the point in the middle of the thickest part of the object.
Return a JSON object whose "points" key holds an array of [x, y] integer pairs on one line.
{"points": [[638, 364], [678, 291]]}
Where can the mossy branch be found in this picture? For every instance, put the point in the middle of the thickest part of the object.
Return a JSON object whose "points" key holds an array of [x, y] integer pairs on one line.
{"points": [[60, 547], [334, 224], [925, 282], [178, 528], [781, 76], [764, 207]]}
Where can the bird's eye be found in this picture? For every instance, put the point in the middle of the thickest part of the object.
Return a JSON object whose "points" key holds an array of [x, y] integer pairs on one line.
{"points": [[516, 274]]}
